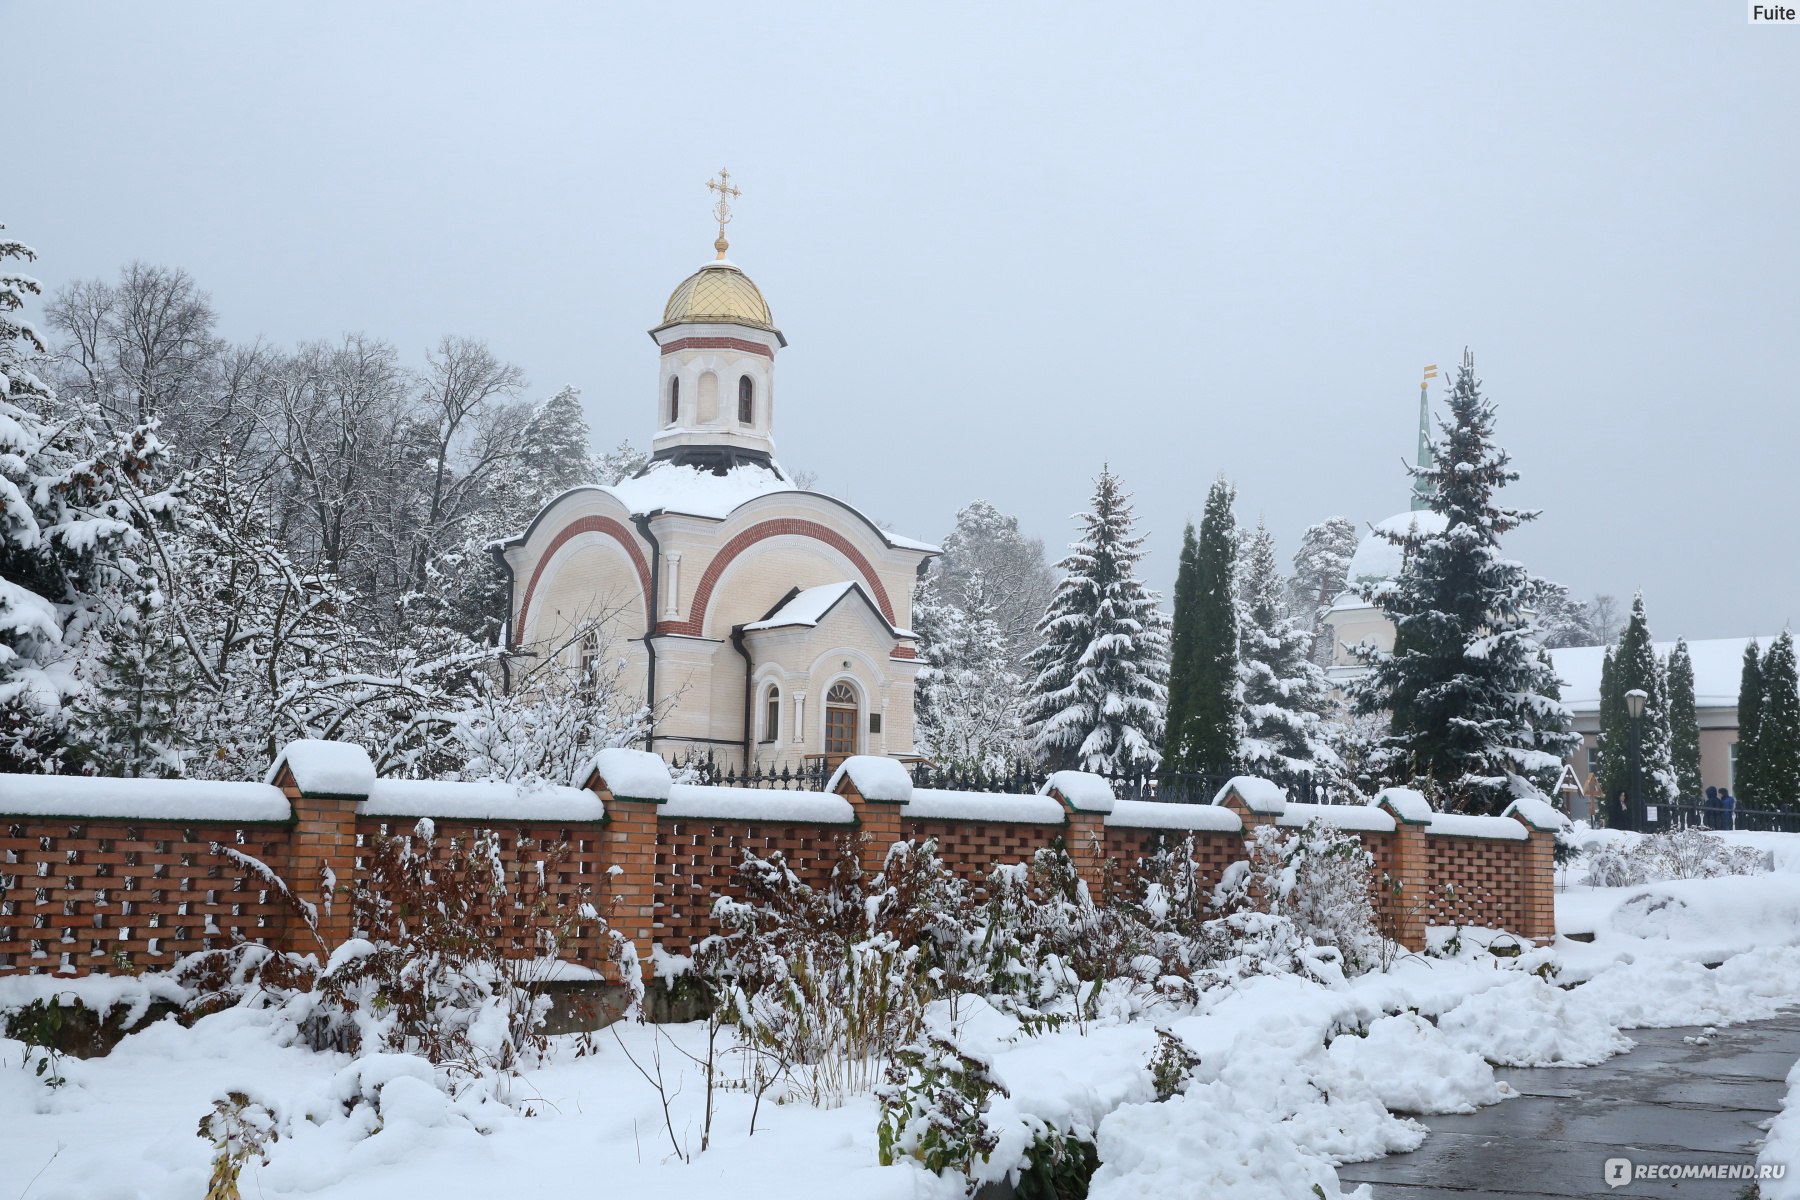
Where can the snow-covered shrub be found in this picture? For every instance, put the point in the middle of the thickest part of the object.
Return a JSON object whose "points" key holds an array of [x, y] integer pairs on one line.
{"points": [[1317, 878], [1170, 1064], [934, 1108], [1679, 854], [1058, 1164]]}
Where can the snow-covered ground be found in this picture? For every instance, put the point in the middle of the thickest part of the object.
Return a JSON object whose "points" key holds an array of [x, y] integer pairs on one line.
{"points": [[1294, 1077]]}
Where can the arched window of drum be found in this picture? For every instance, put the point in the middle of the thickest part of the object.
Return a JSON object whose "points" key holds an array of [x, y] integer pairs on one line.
{"points": [[588, 681], [840, 719], [746, 400], [674, 399], [772, 715]]}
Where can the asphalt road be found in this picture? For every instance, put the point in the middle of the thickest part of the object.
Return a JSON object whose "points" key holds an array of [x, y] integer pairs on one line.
{"points": [[1667, 1101]]}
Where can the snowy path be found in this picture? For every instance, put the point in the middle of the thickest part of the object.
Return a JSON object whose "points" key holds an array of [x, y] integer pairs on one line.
{"points": [[1668, 1100]]}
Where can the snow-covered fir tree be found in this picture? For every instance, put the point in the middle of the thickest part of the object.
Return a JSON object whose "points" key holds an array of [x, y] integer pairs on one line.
{"points": [[1684, 723], [1778, 733], [1285, 693], [1097, 698], [1749, 708], [1466, 685], [1205, 728], [1635, 666], [1562, 620], [131, 718], [1321, 569], [75, 503], [969, 702]]}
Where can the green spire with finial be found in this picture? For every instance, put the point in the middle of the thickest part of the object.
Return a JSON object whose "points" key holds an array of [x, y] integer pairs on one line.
{"points": [[1421, 490]]}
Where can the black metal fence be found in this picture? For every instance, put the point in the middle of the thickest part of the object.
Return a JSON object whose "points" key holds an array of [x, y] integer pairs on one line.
{"points": [[1178, 788], [1714, 817]]}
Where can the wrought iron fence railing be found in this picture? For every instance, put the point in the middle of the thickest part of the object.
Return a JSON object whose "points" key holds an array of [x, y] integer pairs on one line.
{"points": [[1718, 818], [1176, 787]]}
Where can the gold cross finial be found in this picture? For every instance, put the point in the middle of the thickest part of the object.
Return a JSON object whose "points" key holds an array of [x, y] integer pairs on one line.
{"points": [[722, 210]]}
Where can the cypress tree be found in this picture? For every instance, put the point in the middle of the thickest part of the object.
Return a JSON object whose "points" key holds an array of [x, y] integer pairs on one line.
{"points": [[1466, 687], [1684, 723], [1609, 743], [1750, 701], [1778, 737], [1181, 650], [1211, 721]]}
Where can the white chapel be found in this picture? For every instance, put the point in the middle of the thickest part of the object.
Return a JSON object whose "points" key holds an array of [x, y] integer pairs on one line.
{"points": [[763, 623]]}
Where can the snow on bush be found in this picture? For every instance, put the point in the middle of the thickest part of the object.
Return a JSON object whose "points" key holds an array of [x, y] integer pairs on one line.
{"points": [[1527, 1022], [1679, 854]]}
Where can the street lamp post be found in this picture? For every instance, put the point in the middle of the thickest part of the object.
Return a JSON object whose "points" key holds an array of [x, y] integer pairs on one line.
{"points": [[1634, 707]]}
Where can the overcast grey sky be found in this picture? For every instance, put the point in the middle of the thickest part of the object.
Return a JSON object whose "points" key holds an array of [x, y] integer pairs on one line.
{"points": [[1007, 242]]}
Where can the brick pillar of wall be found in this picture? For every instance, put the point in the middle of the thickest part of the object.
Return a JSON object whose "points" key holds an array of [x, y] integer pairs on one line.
{"points": [[629, 893], [1086, 840], [321, 864], [1407, 891], [1537, 881], [878, 825]]}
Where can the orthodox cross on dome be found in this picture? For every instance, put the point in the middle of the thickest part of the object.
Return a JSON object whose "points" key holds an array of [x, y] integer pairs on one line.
{"points": [[722, 210], [1421, 498]]}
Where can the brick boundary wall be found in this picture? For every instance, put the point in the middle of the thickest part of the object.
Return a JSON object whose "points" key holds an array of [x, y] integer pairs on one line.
{"points": [[96, 893]]}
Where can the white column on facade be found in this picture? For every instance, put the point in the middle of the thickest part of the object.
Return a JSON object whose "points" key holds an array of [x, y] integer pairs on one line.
{"points": [[881, 738], [799, 717], [672, 608]]}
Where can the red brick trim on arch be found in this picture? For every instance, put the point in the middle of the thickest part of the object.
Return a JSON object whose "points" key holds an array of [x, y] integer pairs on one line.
{"points": [[785, 526], [718, 343], [606, 525]]}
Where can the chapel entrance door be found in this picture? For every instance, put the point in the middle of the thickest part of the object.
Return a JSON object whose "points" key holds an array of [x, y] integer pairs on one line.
{"points": [[840, 721]]}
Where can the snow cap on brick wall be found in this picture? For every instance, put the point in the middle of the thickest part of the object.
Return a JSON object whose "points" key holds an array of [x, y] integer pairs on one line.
{"points": [[1502, 829], [1083, 791], [1151, 814], [875, 777], [1258, 795], [481, 801], [326, 768], [1538, 813], [1409, 804], [630, 774], [143, 799]]}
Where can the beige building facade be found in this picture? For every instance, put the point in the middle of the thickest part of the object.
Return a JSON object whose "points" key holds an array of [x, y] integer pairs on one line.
{"points": [[763, 623]]}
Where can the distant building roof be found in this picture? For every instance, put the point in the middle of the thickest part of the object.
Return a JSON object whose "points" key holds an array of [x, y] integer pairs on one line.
{"points": [[1718, 669]]}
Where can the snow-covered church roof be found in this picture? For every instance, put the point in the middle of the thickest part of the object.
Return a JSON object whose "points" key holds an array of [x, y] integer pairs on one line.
{"points": [[809, 606], [1377, 559], [1718, 670]]}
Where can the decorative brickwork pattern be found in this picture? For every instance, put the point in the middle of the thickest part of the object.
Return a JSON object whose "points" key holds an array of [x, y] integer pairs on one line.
{"points": [[717, 343], [1475, 882], [79, 896], [697, 862], [970, 849], [1126, 848]]}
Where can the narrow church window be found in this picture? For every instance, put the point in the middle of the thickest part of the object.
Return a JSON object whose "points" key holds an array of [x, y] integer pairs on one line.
{"points": [[589, 680], [746, 400], [772, 716], [840, 719], [674, 400], [708, 406]]}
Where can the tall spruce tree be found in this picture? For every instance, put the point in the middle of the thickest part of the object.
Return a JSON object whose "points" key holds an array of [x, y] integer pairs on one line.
{"points": [[1684, 723], [1614, 777], [1778, 735], [1204, 735], [1285, 693], [131, 718], [1750, 705], [1635, 666], [1467, 689], [1097, 699]]}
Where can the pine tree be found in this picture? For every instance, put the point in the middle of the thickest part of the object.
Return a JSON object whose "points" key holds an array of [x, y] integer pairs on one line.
{"points": [[1750, 706], [1778, 733], [1466, 687], [1684, 724], [1014, 577], [1321, 572], [1208, 733], [1609, 743], [1635, 667], [1101, 685], [1284, 692]]}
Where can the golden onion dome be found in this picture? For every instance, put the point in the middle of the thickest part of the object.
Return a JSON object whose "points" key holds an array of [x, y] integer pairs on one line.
{"points": [[718, 294]]}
